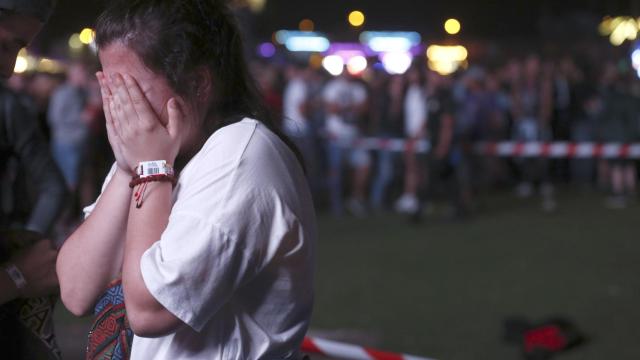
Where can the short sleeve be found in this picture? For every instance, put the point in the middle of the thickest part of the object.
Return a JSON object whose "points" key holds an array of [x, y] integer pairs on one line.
{"points": [[194, 269], [89, 209]]}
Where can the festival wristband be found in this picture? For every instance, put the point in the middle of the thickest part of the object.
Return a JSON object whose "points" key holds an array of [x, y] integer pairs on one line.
{"points": [[16, 275], [154, 168]]}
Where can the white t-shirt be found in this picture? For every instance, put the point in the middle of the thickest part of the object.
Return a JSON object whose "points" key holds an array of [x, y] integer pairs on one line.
{"points": [[415, 110], [345, 94], [295, 95], [236, 260]]}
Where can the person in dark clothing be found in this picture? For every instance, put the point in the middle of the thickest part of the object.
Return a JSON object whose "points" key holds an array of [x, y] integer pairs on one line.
{"points": [[28, 277], [617, 124], [444, 163], [387, 122]]}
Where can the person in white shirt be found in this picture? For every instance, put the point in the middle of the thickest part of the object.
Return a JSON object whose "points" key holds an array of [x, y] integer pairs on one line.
{"points": [[345, 102], [415, 110], [296, 93], [221, 265], [297, 121]]}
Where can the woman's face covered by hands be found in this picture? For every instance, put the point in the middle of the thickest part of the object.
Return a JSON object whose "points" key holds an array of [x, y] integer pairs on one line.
{"points": [[146, 118]]}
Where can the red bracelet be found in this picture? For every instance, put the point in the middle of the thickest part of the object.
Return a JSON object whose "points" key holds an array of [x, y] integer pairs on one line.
{"points": [[137, 180]]}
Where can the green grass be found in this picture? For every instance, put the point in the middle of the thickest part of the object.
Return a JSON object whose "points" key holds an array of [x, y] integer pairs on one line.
{"points": [[443, 289]]}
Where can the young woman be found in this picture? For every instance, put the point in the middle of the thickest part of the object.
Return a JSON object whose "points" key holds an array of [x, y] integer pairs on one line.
{"points": [[219, 266]]}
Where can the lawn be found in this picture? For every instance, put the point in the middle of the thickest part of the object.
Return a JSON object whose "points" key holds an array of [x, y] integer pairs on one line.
{"points": [[443, 289]]}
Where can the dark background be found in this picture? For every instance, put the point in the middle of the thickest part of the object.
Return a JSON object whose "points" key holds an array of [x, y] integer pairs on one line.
{"points": [[480, 19]]}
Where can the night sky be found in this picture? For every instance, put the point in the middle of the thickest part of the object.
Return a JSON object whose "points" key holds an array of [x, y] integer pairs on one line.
{"points": [[480, 19]]}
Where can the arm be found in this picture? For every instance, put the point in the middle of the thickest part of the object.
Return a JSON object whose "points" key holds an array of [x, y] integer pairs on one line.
{"points": [[92, 256], [148, 318], [143, 137]]}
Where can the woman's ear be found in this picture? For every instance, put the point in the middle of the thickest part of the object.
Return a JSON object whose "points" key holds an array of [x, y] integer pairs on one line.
{"points": [[202, 84]]}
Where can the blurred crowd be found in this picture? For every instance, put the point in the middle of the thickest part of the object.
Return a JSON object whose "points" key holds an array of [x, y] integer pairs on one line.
{"points": [[523, 99]]}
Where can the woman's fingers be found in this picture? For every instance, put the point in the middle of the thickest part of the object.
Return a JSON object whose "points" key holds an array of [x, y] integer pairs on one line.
{"points": [[123, 110], [176, 117], [115, 120], [139, 102], [105, 92]]}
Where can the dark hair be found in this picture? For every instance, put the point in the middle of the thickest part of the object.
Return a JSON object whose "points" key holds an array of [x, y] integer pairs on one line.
{"points": [[175, 38]]}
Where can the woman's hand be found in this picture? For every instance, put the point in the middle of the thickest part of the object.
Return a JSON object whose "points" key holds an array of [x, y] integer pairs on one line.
{"points": [[38, 265], [138, 135], [114, 140]]}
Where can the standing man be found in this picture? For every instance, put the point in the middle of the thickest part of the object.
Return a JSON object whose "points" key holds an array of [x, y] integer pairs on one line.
{"points": [[28, 273], [346, 101]]}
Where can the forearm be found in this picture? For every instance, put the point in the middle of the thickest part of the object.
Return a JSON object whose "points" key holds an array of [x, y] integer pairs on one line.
{"points": [[146, 225], [92, 256]]}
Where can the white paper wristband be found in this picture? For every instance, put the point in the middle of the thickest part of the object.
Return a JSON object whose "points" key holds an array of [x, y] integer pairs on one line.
{"points": [[16, 275], [156, 167]]}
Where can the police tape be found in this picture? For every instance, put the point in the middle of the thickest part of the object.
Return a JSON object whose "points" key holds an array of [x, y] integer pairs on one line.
{"points": [[559, 150], [338, 350], [554, 150]]}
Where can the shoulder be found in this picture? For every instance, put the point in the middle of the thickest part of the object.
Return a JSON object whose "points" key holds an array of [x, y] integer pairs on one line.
{"points": [[243, 155], [242, 176]]}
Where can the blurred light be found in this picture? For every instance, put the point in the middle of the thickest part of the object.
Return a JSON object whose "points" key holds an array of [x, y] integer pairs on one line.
{"points": [[635, 59], [626, 30], [445, 60], [443, 68], [605, 27], [356, 65], [266, 50], [281, 36], [619, 29], [307, 43], [257, 5], [333, 64], [452, 26], [396, 63], [306, 25], [447, 53], [87, 36], [390, 41], [74, 42], [22, 64], [50, 66], [356, 18], [347, 50]]}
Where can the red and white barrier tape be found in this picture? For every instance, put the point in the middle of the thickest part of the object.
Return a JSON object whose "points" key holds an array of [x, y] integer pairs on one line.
{"points": [[395, 145], [340, 350], [555, 150]]}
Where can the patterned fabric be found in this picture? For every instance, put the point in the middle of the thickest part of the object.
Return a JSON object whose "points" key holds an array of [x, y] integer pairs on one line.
{"points": [[110, 336], [26, 325]]}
